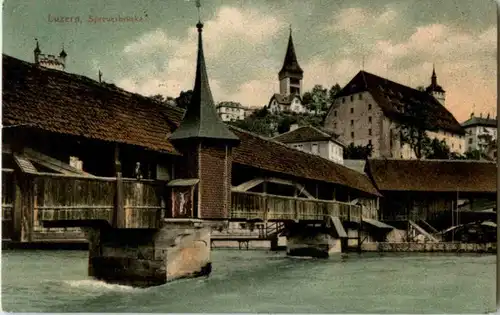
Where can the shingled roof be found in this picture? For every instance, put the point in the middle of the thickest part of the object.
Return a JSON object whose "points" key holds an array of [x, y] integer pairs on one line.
{"points": [[66, 103], [307, 134], [433, 175], [270, 155], [71, 104], [390, 96]]}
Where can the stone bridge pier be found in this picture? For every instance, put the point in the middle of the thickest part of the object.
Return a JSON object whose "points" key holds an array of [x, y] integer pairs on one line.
{"points": [[148, 257], [312, 239]]}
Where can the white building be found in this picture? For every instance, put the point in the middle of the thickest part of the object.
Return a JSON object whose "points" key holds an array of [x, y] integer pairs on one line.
{"points": [[50, 61], [315, 141], [231, 111], [480, 132], [290, 77], [369, 110]]}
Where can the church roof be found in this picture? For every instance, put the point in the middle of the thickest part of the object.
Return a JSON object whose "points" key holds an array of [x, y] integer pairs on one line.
{"points": [[201, 119], [290, 64], [391, 96]]}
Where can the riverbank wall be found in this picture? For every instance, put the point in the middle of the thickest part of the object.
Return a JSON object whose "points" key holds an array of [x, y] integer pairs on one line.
{"points": [[441, 247]]}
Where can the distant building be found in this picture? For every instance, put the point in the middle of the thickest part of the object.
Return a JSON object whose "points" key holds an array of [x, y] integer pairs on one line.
{"points": [[315, 141], [231, 111], [480, 132], [290, 77], [369, 108], [50, 61], [435, 89]]}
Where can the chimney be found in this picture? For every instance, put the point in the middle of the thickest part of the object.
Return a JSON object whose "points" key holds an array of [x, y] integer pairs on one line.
{"points": [[294, 126]]}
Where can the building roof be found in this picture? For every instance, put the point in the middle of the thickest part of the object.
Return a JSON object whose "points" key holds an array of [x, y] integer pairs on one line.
{"points": [[434, 86], [267, 154], [61, 102], [290, 64], [201, 119], [390, 96], [307, 134], [71, 104], [433, 175], [284, 99], [479, 121], [230, 105]]}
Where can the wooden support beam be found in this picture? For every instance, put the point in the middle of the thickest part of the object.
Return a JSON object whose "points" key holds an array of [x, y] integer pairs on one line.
{"points": [[248, 185], [119, 211], [51, 163]]}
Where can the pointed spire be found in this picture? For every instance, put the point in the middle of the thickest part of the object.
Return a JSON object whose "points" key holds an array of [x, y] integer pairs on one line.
{"points": [[290, 64], [63, 54], [201, 119], [37, 48]]}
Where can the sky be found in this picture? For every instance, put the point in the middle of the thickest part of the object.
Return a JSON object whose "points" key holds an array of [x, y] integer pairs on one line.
{"points": [[245, 43]]}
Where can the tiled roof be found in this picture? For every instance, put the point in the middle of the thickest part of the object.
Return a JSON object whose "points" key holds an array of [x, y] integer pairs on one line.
{"points": [[390, 95], [479, 121], [72, 104], [433, 175], [270, 155], [306, 134]]}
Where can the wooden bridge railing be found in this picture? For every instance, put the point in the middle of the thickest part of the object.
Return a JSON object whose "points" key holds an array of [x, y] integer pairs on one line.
{"points": [[63, 198], [259, 206]]}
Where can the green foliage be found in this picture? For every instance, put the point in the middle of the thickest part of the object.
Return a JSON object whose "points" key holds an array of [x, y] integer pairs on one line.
{"points": [[413, 125], [357, 152], [437, 149], [319, 98], [184, 99]]}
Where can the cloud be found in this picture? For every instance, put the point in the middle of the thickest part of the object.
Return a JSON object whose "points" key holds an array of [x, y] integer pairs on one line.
{"points": [[159, 63]]}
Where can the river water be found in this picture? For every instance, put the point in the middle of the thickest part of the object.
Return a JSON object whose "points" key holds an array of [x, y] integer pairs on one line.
{"points": [[260, 282]]}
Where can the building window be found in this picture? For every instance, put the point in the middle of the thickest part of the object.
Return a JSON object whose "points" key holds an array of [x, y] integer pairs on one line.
{"points": [[352, 134], [334, 113], [452, 145], [370, 119], [360, 96], [352, 122], [369, 132], [352, 110], [470, 140], [343, 100], [315, 148], [460, 146], [300, 146], [369, 106], [390, 138], [370, 142], [334, 125]]}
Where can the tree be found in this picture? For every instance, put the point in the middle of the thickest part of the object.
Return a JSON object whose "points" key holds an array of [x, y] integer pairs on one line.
{"points": [[420, 88], [184, 99], [413, 125], [285, 122], [333, 91], [437, 149], [260, 126], [358, 152]]}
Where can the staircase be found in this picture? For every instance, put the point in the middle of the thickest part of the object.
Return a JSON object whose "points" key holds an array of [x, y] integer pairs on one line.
{"points": [[272, 230], [415, 226]]}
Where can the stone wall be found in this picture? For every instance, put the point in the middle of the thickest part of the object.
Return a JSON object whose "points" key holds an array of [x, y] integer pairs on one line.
{"points": [[430, 247]]}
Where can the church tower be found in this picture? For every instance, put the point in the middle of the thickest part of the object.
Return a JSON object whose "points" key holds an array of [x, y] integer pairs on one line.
{"points": [[291, 74], [205, 143], [435, 89]]}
